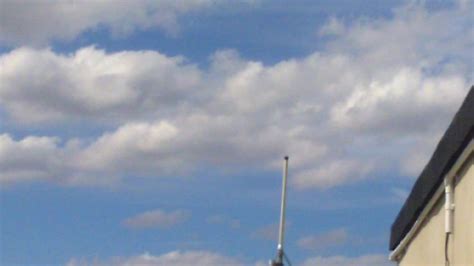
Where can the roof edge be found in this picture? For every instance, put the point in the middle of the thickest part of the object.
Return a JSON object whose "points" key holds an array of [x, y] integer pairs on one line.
{"points": [[449, 148]]}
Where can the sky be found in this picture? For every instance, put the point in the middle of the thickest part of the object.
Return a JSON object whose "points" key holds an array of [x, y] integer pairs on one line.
{"points": [[153, 132]]}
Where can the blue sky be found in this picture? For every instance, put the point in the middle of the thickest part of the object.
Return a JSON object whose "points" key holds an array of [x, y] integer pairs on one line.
{"points": [[153, 132]]}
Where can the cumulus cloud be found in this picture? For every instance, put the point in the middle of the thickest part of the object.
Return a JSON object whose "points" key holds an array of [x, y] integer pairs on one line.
{"points": [[132, 148], [332, 238], [335, 173], [211, 258], [156, 218], [377, 106], [39, 85], [172, 258], [367, 260], [360, 106], [31, 158], [419, 154], [38, 22]]}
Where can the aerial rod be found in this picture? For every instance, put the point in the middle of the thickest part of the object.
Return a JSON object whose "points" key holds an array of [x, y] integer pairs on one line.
{"points": [[278, 261]]}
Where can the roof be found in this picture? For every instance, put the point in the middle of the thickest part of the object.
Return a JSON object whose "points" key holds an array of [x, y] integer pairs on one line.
{"points": [[458, 135]]}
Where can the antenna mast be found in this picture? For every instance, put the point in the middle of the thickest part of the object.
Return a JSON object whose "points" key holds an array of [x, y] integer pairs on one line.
{"points": [[278, 261]]}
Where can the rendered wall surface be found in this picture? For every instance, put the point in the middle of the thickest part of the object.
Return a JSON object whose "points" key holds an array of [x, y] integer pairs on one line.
{"points": [[428, 244], [463, 237]]}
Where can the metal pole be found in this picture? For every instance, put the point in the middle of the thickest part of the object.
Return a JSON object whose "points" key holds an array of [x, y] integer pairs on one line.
{"points": [[281, 235]]}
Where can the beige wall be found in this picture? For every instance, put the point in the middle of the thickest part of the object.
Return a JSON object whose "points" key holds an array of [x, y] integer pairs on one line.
{"points": [[463, 235], [427, 246]]}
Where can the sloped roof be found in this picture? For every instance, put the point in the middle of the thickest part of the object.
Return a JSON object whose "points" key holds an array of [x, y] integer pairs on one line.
{"points": [[458, 135]]}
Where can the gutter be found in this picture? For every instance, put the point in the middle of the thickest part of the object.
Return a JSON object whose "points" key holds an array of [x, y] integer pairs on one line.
{"points": [[398, 252]]}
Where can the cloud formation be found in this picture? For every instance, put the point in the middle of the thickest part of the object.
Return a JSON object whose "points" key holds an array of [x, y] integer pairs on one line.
{"points": [[41, 86], [362, 105], [156, 218], [168, 259], [214, 259], [32, 158], [39, 22], [367, 260]]}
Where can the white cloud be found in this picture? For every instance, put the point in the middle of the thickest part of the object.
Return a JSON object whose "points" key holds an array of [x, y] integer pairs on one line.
{"points": [[135, 148], [377, 107], [38, 22], [156, 218], [332, 27], [168, 259], [213, 259], [419, 154], [362, 105], [39, 85], [29, 158], [337, 172], [366, 260], [332, 238]]}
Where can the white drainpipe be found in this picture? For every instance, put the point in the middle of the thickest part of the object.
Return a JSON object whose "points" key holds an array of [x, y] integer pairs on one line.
{"points": [[449, 205]]}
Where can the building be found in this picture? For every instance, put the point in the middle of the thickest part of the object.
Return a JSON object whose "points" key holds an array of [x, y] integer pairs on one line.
{"points": [[436, 223]]}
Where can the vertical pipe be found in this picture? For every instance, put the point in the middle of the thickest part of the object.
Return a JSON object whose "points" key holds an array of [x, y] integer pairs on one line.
{"points": [[448, 205], [283, 206], [448, 215]]}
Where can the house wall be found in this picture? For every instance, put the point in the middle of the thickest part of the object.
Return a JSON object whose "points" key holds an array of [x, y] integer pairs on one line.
{"points": [[463, 235], [428, 244]]}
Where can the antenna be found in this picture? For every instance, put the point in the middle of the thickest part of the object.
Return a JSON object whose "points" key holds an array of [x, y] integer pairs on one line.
{"points": [[278, 261]]}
